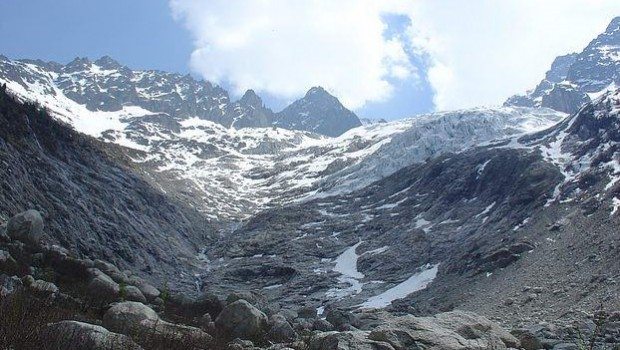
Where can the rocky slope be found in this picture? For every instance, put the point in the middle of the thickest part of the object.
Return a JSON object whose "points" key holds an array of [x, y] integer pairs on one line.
{"points": [[577, 78], [519, 228], [230, 174], [94, 200]]}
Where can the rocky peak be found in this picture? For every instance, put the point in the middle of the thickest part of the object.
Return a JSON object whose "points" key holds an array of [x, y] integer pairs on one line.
{"points": [[559, 68], [107, 62], [614, 26], [78, 64], [318, 111], [318, 94], [251, 99]]}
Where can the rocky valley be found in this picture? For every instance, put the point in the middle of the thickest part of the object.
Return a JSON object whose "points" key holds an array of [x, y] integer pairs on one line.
{"points": [[148, 210]]}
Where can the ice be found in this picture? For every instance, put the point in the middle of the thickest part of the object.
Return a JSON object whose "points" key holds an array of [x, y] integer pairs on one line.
{"points": [[416, 282], [346, 265]]}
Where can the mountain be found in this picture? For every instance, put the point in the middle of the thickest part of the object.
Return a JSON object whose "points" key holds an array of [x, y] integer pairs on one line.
{"points": [[576, 78], [231, 174], [509, 227], [318, 112], [93, 198], [107, 86]]}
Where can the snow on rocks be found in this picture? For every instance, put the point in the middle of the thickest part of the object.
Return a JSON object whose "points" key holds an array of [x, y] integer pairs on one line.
{"points": [[416, 282]]}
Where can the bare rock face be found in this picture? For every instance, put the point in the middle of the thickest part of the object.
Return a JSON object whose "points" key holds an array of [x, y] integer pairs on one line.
{"points": [[456, 330], [83, 336], [26, 227], [241, 320]]}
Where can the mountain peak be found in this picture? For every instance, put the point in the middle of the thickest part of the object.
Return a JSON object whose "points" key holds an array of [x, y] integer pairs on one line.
{"points": [[614, 25], [320, 112], [250, 98], [78, 63], [107, 62]]}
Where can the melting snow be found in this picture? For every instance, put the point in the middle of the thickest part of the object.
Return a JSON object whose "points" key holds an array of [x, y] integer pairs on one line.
{"points": [[346, 265], [413, 284]]}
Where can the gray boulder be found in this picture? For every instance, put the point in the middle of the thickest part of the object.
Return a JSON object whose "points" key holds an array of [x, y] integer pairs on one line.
{"points": [[133, 318], [102, 286], [455, 330], [356, 340], [83, 336], [132, 293], [281, 330], [26, 227], [43, 288], [241, 320], [150, 293]]}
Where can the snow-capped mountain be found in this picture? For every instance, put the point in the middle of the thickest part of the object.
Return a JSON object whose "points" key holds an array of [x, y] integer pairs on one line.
{"points": [[231, 174], [577, 78], [318, 112], [457, 219], [107, 86]]}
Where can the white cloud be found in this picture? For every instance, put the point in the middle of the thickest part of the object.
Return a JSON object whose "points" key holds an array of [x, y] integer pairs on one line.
{"points": [[482, 51], [485, 50], [284, 47]]}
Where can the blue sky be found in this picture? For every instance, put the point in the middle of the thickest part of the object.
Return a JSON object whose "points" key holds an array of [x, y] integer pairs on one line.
{"points": [[383, 59], [141, 34]]}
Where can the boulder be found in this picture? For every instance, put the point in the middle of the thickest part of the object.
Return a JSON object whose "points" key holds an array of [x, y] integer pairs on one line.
{"points": [[280, 330], [150, 293], [455, 330], [128, 315], [356, 340], [142, 323], [307, 312], [241, 320], [83, 336], [101, 286], [9, 284], [341, 319], [26, 227], [43, 288], [115, 274], [132, 293], [205, 304]]}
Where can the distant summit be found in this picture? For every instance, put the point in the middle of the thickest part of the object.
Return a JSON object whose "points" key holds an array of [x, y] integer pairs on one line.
{"points": [[108, 86], [319, 112], [578, 78]]}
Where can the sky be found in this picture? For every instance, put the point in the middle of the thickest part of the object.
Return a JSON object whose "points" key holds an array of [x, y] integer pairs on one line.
{"points": [[383, 59]]}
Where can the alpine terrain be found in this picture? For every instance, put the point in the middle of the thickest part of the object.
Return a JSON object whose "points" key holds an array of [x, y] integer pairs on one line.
{"points": [[148, 210]]}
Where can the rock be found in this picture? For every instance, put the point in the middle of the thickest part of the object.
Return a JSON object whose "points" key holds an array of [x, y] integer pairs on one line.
{"points": [[43, 288], [8, 265], [112, 271], [341, 319], [132, 293], [83, 336], [247, 296], [9, 284], [445, 331], [281, 330], [103, 287], [307, 312], [528, 340], [346, 341], [141, 321], [207, 303], [150, 293], [241, 320], [26, 227], [322, 325], [128, 315]]}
